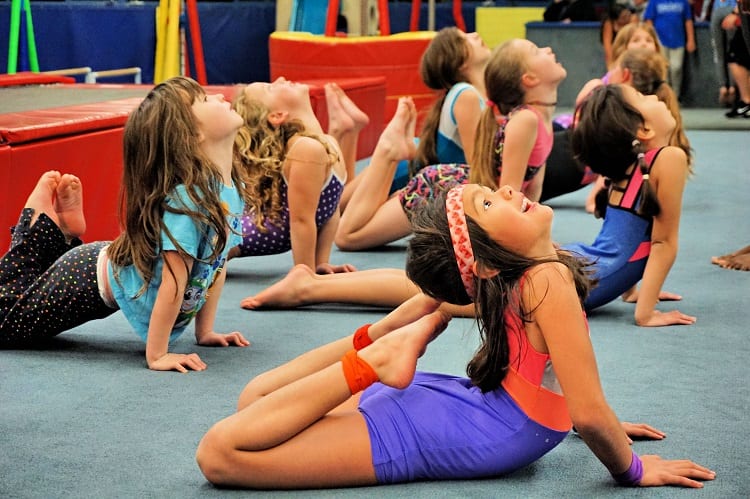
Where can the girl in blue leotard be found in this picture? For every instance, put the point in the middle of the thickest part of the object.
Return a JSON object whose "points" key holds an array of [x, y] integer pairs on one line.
{"points": [[355, 412], [624, 136]]}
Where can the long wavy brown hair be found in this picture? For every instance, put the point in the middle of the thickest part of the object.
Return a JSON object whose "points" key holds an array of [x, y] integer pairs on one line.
{"points": [[161, 151]]}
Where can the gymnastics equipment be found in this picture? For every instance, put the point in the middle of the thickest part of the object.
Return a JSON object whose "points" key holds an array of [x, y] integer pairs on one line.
{"points": [[19, 44], [83, 139], [303, 56], [92, 76], [498, 24], [458, 16], [172, 57]]}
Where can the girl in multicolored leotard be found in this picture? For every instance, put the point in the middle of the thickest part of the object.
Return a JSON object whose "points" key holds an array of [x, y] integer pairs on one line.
{"points": [[625, 136], [356, 412], [297, 173], [453, 65]]}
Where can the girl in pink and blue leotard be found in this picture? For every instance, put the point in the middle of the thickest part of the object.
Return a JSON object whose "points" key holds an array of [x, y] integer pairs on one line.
{"points": [[514, 137], [625, 136]]}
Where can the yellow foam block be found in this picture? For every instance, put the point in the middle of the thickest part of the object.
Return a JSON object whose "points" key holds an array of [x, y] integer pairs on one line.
{"points": [[498, 24]]}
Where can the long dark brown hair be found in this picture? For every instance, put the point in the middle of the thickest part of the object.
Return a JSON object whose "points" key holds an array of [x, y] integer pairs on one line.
{"points": [[605, 140]]}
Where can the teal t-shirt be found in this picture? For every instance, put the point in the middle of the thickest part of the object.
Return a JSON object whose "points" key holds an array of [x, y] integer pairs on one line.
{"points": [[198, 242]]}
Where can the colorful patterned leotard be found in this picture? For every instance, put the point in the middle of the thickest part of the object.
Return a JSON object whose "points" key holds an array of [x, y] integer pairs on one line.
{"points": [[444, 427], [277, 238], [429, 182], [621, 249]]}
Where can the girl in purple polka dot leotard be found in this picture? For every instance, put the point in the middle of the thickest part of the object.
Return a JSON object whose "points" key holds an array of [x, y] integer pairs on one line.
{"points": [[296, 175], [181, 216]]}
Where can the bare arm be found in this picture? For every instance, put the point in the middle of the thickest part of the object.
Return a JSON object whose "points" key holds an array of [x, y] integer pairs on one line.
{"points": [[560, 321], [206, 316], [306, 169], [668, 177], [163, 315], [468, 110], [690, 36], [563, 332], [607, 30], [520, 136]]}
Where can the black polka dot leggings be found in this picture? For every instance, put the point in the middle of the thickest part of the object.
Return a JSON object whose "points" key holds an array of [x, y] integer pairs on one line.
{"points": [[47, 285]]}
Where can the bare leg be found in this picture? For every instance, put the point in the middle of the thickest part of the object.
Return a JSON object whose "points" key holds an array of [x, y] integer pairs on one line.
{"points": [[345, 121], [289, 439], [69, 206], [313, 361], [301, 286], [387, 288], [395, 143]]}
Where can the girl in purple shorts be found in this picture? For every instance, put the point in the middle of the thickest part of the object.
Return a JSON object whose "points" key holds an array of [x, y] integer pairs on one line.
{"points": [[355, 412]]}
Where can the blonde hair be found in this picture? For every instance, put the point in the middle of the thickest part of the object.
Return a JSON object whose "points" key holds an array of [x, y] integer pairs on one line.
{"points": [[622, 39], [261, 149], [502, 80]]}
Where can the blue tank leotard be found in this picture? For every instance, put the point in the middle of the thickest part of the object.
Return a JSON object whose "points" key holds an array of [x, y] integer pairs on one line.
{"points": [[621, 249]]}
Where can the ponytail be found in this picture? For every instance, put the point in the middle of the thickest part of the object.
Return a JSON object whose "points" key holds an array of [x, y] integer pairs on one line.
{"points": [[649, 205]]}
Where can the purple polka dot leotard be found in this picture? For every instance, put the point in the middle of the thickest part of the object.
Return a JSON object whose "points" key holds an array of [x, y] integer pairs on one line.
{"points": [[277, 236]]}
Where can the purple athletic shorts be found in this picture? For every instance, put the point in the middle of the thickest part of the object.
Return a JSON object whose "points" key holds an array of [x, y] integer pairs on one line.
{"points": [[443, 427]]}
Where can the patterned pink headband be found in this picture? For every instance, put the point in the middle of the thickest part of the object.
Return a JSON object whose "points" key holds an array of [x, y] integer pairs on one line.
{"points": [[454, 208]]}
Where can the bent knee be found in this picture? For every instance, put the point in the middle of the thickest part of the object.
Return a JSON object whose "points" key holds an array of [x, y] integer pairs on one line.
{"points": [[214, 455]]}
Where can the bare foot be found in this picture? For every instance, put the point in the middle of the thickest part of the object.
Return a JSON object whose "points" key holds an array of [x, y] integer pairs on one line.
{"points": [[339, 121], [42, 197], [739, 261], [397, 140], [69, 206], [359, 117], [394, 356], [717, 260], [284, 294]]}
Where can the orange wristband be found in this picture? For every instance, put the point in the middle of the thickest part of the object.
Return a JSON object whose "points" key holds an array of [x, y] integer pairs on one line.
{"points": [[361, 337], [358, 373]]}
